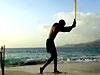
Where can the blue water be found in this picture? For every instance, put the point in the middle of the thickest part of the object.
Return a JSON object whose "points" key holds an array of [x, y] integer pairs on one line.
{"points": [[16, 56]]}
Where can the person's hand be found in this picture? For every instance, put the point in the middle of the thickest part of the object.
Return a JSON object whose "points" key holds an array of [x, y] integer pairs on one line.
{"points": [[74, 23]]}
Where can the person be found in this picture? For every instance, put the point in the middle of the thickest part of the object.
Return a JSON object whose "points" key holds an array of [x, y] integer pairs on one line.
{"points": [[50, 45]]}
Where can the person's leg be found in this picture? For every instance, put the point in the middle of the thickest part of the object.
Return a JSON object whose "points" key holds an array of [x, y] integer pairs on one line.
{"points": [[47, 63], [55, 61]]}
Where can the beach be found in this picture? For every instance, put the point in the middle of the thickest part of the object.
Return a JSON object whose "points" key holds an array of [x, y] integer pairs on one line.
{"points": [[86, 68], [71, 61]]}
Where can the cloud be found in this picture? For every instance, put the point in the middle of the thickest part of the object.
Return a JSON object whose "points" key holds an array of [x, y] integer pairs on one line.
{"points": [[89, 25], [87, 29]]}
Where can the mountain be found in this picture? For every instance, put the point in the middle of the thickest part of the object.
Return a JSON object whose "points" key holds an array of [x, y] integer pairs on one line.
{"points": [[93, 44]]}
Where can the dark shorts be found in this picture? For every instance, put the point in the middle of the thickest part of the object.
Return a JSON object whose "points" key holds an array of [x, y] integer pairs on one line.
{"points": [[50, 46]]}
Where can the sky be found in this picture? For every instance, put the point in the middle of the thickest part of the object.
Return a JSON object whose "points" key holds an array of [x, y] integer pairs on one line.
{"points": [[26, 23]]}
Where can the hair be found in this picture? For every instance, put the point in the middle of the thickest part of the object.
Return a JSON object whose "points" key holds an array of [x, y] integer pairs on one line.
{"points": [[62, 22]]}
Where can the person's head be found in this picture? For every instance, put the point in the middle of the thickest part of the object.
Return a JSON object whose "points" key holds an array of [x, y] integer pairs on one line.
{"points": [[62, 22]]}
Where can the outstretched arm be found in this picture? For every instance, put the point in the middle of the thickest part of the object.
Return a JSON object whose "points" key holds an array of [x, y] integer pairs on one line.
{"points": [[68, 29]]}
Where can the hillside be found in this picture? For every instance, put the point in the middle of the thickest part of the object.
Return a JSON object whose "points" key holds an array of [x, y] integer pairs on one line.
{"points": [[93, 44]]}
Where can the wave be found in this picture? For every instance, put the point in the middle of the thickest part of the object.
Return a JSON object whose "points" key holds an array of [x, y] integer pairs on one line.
{"points": [[84, 60], [23, 62]]}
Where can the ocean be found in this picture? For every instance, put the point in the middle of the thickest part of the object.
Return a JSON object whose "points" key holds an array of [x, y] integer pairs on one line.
{"points": [[33, 56]]}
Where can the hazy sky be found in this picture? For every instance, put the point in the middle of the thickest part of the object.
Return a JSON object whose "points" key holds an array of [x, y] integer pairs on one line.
{"points": [[26, 23]]}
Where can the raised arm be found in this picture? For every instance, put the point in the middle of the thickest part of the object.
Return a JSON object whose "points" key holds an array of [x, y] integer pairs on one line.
{"points": [[68, 29]]}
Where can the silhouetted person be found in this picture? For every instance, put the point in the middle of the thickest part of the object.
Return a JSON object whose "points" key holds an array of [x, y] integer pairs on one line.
{"points": [[57, 27]]}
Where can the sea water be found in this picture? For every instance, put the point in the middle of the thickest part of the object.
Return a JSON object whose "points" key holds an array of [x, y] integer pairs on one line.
{"points": [[24, 56]]}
